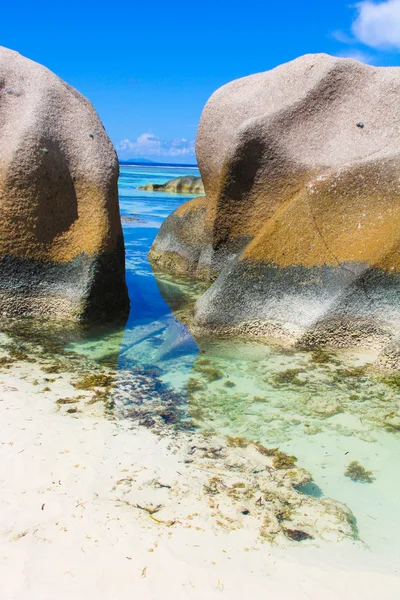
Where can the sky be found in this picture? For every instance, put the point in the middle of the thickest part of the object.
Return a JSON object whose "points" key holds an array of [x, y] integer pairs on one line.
{"points": [[149, 67]]}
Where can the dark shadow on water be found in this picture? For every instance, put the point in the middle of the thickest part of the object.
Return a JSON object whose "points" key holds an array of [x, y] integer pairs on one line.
{"points": [[310, 489]]}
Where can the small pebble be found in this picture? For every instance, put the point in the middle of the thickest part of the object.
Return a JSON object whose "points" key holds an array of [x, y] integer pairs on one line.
{"points": [[360, 125]]}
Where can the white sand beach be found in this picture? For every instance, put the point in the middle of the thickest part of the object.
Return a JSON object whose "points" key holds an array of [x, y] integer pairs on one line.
{"points": [[80, 515]]}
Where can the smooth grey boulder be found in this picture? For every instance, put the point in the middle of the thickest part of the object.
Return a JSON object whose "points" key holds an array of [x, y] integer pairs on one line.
{"points": [[300, 227], [61, 243]]}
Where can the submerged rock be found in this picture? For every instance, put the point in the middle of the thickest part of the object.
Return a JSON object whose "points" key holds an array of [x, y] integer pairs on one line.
{"points": [[61, 244], [301, 221], [179, 185]]}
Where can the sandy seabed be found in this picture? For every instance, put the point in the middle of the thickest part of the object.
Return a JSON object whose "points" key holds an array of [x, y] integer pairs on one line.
{"points": [[96, 507]]}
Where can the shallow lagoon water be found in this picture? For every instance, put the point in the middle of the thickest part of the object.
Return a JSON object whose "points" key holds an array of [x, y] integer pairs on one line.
{"points": [[324, 409], [327, 410], [327, 416]]}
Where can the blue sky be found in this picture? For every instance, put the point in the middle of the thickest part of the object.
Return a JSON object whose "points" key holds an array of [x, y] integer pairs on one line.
{"points": [[149, 67]]}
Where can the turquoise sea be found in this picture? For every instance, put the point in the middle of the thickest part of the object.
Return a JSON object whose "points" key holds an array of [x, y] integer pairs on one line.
{"points": [[164, 342], [326, 409]]}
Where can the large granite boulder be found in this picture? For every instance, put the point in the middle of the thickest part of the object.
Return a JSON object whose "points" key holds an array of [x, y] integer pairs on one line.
{"points": [[301, 224], [179, 185], [61, 244]]}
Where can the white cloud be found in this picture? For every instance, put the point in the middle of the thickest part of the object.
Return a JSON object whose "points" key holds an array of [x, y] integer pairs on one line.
{"points": [[148, 144], [378, 24], [342, 37], [357, 55]]}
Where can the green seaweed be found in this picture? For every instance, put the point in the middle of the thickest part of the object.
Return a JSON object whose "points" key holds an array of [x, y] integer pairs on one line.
{"points": [[281, 460], [196, 413], [203, 362], [193, 385], [211, 373], [263, 450], [95, 380], [238, 491], [359, 371], [320, 357], [62, 401], [237, 442], [289, 376], [392, 381], [18, 353], [6, 361], [214, 486], [109, 360], [285, 513], [52, 369], [229, 384], [356, 472]]}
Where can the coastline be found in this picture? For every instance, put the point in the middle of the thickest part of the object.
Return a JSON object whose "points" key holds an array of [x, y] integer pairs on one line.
{"points": [[70, 525]]}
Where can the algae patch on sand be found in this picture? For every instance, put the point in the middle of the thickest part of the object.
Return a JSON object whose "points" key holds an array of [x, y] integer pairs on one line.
{"points": [[356, 472]]}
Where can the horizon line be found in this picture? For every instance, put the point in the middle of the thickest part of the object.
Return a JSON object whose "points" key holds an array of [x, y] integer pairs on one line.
{"points": [[156, 163]]}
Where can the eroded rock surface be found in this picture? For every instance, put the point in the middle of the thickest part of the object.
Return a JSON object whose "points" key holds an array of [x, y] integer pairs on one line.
{"points": [[61, 245], [301, 221]]}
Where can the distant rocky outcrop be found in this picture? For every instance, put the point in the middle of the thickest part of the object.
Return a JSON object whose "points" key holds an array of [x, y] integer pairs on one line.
{"points": [[61, 245], [179, 185], [300, 227]]}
